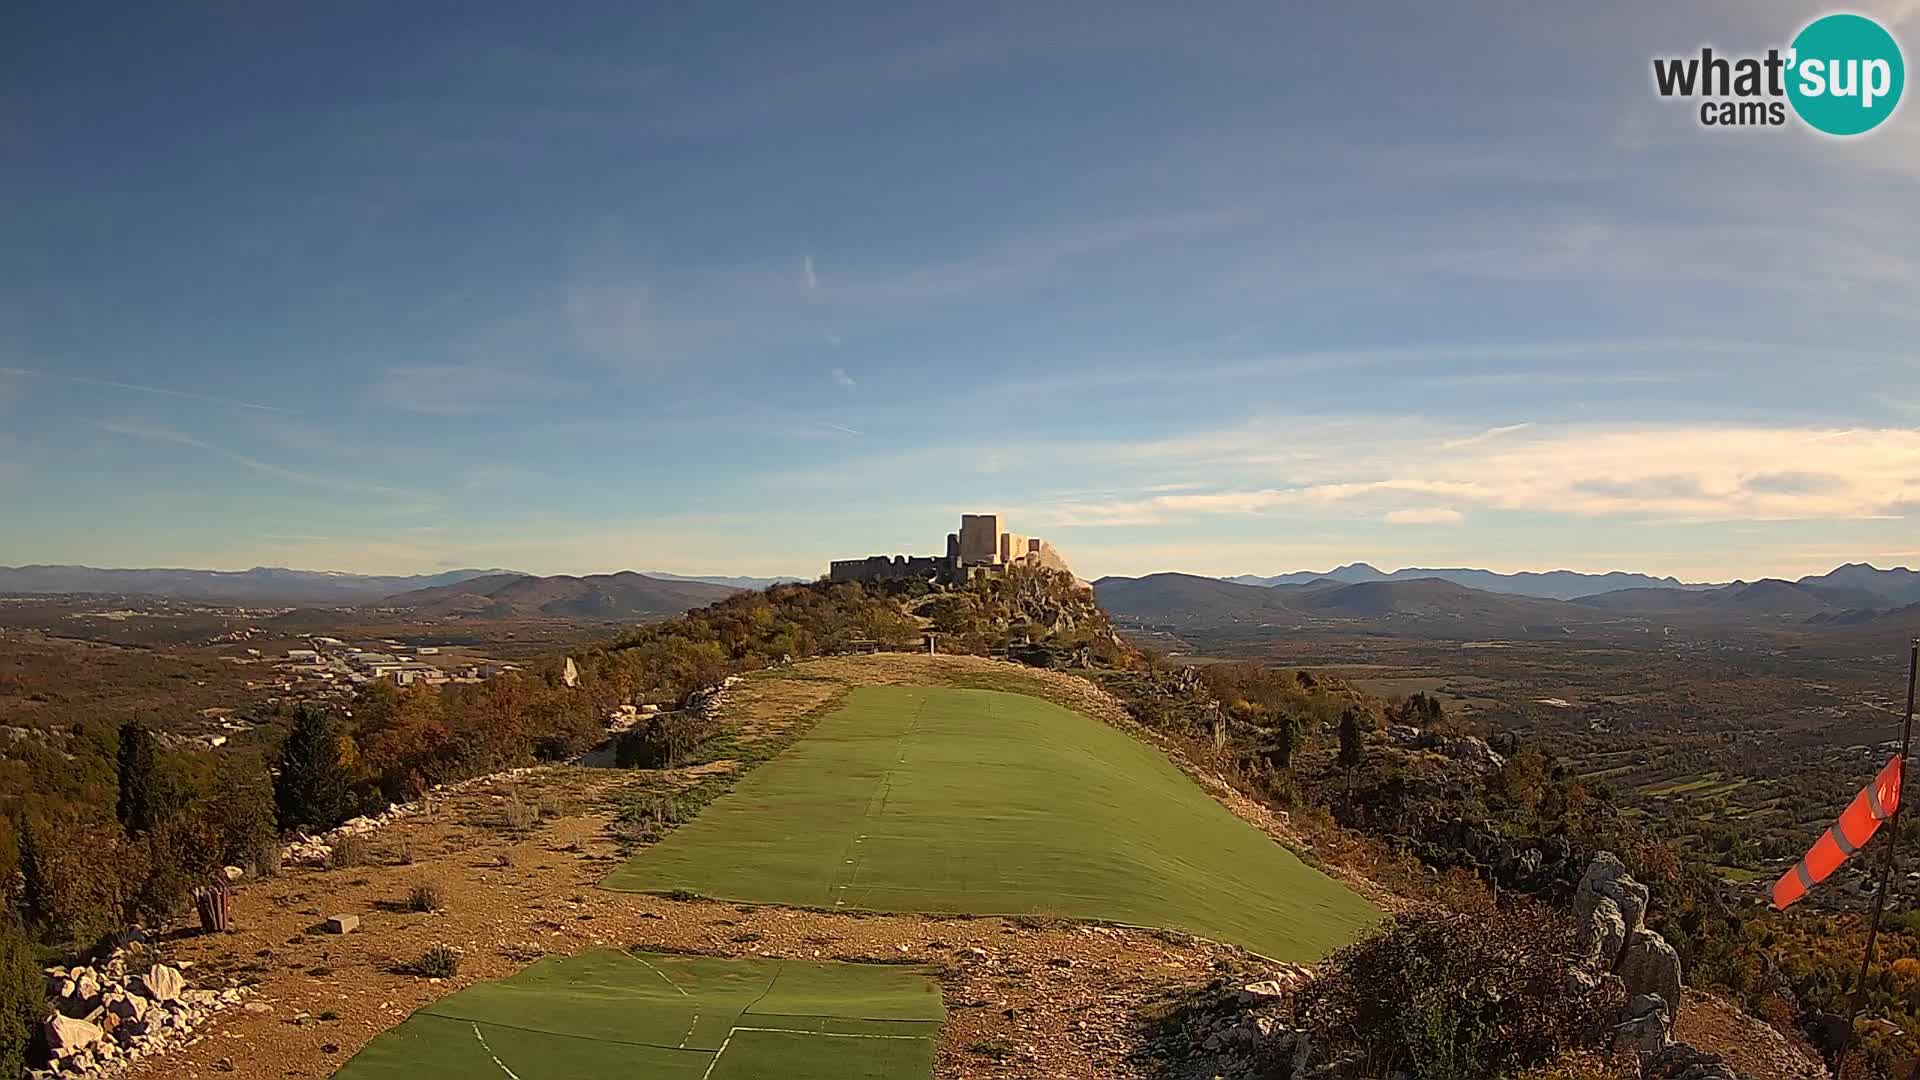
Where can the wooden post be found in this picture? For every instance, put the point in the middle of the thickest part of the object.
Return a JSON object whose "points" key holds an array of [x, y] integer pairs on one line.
{"points": [[1859, 1001], [212, 902]]}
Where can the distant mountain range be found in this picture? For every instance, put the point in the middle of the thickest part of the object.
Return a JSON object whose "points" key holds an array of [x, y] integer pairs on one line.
{"points": [[276, 585], [603, 596], [260, 585], [1854, 594], [1187, 598], [721, 579], [1553, 584]]}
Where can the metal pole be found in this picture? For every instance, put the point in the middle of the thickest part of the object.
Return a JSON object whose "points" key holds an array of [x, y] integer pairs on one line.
{"points": [[1886, 869]]}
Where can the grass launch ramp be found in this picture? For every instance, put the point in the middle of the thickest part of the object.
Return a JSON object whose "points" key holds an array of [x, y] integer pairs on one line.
{"points": [[989, 803], [643, 1016]]}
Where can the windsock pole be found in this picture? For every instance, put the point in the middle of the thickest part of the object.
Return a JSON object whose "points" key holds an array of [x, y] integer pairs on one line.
{"points": [[1886, 868]]}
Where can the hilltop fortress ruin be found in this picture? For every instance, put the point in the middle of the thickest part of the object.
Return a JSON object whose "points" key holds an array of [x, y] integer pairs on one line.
{"points": [[981, 548]]}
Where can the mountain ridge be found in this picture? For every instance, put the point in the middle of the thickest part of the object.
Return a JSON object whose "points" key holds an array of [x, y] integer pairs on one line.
{"points": [[1547, 584], [627, 594]]}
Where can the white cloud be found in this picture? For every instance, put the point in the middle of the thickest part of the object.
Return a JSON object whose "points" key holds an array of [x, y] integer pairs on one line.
{"points": [[1438, 515], [1682, 472], [841, 377], [808, 279]]}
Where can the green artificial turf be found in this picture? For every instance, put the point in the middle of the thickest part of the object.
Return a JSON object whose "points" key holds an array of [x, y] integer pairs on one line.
{"points": [[980, 802], [617, 1015]]}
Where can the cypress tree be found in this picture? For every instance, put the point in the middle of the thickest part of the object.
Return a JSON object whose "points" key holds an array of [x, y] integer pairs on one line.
{"points": [[1350, 740], [143, 797], [23, 997], [313, 787], [36, 896]]}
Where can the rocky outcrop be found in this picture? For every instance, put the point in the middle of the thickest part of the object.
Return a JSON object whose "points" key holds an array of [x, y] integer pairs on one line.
{"points": [[1611, 908], [1650, 966], [1645, 1026], [106, 1017], [1470, 750]]}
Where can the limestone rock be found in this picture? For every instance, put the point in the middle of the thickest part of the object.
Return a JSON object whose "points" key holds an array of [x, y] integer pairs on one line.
{"points": [[1643, 1026], [1607, 878], [163, 983], [1263, 993], [67, 1036], [127, 1006], [1678, 1061], [86, 988], [1648, 965], [342, 924], [1604, 933]]}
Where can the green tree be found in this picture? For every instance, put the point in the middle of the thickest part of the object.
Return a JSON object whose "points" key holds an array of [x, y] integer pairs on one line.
{"points": [[314, 787], [36, 897], [145, 796], [1283, 742], [23, 997], [1351, 740]]}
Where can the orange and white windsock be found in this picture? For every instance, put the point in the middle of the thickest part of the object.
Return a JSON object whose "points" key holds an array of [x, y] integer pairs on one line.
{"points": [[1856, 826]]}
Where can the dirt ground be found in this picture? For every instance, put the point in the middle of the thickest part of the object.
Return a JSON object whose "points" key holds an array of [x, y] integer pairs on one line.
{"points": [[1024, 998]]}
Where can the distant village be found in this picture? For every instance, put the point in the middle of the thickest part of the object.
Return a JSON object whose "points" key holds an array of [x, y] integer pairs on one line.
{"points": [[332, 660]]}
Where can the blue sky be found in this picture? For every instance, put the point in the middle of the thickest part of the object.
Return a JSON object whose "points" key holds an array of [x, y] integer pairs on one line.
{"points": [[742, 288]]}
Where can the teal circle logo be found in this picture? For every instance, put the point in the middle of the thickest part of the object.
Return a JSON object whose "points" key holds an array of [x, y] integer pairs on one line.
{"points": [[1846, 74]]}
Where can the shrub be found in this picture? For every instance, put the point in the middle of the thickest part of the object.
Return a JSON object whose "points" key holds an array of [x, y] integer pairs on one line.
{"points": [[79, 880], [265, 859], [665, 742], [520, 815], [23, 998], [438, 962], [348, 851], [1457, 997], [179, 855], [239, 812], [427, 896]]}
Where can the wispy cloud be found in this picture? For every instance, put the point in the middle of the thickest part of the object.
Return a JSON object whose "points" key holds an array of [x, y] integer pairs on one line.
{"points": [[460, 389], [808, 279], [841, 378], [1438, 515], [151, 433], [1485, 436], [158, 391]]}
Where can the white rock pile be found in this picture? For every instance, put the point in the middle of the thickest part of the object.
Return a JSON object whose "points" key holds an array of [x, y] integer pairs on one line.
{"points": [[105, 1018], [1245, 1036]]}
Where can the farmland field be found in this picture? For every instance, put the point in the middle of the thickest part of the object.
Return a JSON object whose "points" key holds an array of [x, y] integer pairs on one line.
{"points": [[982, 802], [669, 1017]]}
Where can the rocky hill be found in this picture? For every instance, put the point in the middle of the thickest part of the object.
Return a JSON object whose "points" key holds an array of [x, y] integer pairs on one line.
{"points": [[609, 596]]}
